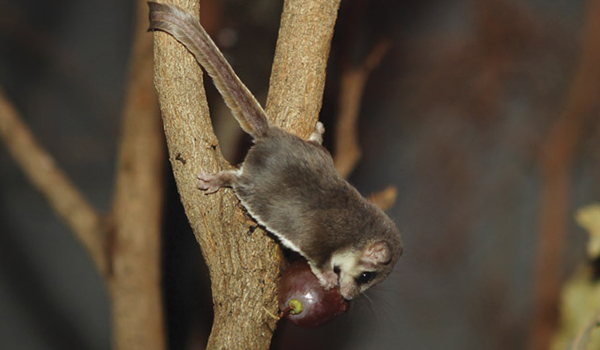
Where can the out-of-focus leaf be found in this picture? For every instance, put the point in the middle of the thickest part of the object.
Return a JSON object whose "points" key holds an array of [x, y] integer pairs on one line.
{"points": [[580, 302]]}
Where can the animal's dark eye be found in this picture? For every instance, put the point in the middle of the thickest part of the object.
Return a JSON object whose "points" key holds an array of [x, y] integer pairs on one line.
{"points": [[365, 277], [336, 269]]}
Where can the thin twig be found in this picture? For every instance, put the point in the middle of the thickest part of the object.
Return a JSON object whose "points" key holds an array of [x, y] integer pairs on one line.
{"points": [[346, 146], [385, 198], [60, 192], [347, 150]]}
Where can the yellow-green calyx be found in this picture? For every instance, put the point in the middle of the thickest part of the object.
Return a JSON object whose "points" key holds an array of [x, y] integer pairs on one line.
{"points": [[296, 306]]}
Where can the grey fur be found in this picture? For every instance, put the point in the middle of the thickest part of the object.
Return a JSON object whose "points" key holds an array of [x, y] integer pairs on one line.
{"points": [[290, 185]]}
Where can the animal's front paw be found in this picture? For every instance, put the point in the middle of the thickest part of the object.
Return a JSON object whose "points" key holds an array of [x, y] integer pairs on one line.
{"points": [[329, 280], [209, 183], [317, 135]]}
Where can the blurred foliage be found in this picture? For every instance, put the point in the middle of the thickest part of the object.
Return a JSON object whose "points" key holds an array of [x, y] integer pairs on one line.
{"points": [[580, 305]]}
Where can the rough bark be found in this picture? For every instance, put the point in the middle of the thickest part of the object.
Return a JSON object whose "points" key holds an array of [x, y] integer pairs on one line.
{"points": [[243, 262], [298, 74]]}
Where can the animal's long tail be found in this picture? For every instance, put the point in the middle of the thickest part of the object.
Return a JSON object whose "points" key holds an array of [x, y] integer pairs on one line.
{"points": [[187, 30]]}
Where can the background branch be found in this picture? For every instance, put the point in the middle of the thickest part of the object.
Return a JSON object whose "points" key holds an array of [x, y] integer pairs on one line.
{"points": [[60, 192], [352, 85], [126, 249], [557, 160], [385, 198], [136, 215], [456, 122], [347, 152]]}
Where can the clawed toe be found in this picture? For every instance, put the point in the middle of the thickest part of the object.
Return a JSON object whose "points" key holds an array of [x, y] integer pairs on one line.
{"points": [[329, 280], [208, 183], [319, 128], [317, 135]]}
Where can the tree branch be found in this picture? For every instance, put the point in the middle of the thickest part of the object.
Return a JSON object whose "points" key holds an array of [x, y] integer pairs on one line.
{"points": [[385, 198], [243, 262], [135, 277], [298, 74], [347, 150], [556, 164], [127, 252], [60, 192], [243, 265], [346, 147]]}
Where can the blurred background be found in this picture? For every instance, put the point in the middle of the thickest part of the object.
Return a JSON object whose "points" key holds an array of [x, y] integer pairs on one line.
{"points": [[482, 113]]}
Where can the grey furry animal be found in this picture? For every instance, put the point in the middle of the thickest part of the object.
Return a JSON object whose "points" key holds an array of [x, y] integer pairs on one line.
{"points": [[290, 185]]}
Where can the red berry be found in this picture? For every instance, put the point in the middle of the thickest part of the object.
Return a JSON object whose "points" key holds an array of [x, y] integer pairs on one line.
{"points": [[303, 300]]}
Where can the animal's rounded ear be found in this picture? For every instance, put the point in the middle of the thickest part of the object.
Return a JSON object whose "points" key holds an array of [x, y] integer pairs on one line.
{"points": [[378, 253]]}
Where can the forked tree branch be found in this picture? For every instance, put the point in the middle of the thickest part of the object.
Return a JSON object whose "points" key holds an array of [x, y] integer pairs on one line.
{"points": [[243, 262]]}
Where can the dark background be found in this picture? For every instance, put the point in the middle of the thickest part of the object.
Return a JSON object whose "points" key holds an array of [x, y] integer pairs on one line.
{"points": [[455, 116]]}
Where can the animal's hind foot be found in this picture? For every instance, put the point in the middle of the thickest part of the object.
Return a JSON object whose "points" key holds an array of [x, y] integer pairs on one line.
{"points": [[211, 183]]}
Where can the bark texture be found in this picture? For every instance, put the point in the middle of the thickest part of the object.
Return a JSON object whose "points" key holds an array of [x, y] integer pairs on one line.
{"points": [[243, 262]]}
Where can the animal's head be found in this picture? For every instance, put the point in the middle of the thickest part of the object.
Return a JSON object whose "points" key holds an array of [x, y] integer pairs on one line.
{"points": [[359, 270]]}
